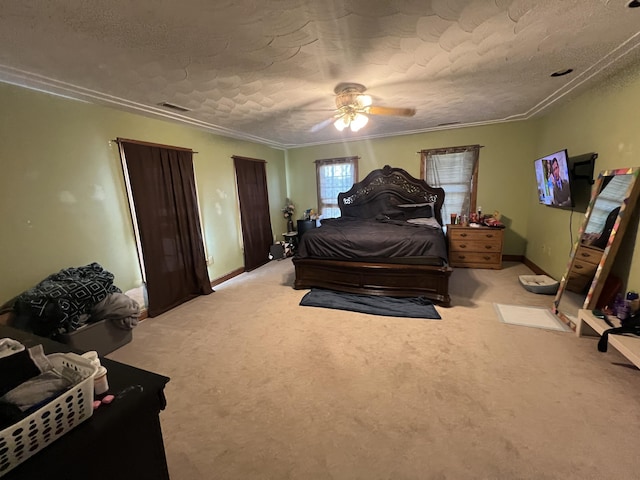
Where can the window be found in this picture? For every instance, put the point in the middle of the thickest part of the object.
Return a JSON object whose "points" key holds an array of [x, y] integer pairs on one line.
{"points": [[456, 170], [334, 175], [609, 199]]}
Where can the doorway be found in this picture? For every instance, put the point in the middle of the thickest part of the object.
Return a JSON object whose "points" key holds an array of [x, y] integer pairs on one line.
{"points": [[166, 221], [257, 235]]}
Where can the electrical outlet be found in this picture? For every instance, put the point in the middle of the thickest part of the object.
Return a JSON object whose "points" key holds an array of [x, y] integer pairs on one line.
{"points": [[209, 260]]}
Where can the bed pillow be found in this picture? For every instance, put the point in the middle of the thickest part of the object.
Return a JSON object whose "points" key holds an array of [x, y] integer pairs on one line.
{"points": [[392, 214], [426, 222], [417, 210]]}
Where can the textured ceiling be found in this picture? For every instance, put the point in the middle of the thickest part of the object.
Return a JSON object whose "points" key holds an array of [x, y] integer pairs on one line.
{"points": [[266, 70]]}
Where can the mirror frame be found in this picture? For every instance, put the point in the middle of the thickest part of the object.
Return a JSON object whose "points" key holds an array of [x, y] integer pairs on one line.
{"points": [[615, 238]]}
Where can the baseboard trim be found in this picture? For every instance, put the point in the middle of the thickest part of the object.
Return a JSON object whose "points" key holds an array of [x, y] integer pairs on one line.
{"points": [[536, 269], [522, 259], [144, 313], [513, 258], [226, 277]]}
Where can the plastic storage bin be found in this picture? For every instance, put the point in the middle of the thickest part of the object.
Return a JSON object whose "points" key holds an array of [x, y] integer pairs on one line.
{"points": [[27, 437], [104, 337]]}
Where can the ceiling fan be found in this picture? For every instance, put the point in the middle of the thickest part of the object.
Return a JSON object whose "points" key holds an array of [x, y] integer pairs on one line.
{"points": [[353, 106]]}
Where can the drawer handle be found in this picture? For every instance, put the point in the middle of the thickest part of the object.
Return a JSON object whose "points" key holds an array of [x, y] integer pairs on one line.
{"points": [[463, 234], [463, 245], [488, 247], [585, 255], [579, 267], [489, 235], [461, 257], [487, 258]]}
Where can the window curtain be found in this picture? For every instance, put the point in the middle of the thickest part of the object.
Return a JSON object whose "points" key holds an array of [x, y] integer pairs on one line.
{"points": [[165, 209], [334, 176], [455, 170]]}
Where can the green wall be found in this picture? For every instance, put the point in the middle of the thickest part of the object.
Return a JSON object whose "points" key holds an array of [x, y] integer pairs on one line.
{"points": [[505, 176], [63, 202], [62, 195], [602, 120]]}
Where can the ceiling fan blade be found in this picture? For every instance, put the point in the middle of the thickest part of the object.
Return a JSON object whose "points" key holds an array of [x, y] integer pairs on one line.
{"points": [[325, 123], [402, 112]]}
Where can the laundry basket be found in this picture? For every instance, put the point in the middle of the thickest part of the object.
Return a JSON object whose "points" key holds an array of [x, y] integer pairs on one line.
{"points": [[30, 435]]}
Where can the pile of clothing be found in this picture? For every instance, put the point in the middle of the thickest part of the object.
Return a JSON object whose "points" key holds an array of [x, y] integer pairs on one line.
{"points": [[28, 381], [71, 298]]}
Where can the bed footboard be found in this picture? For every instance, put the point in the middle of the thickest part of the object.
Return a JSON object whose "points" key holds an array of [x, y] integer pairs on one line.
{"points": [[386, 279]]}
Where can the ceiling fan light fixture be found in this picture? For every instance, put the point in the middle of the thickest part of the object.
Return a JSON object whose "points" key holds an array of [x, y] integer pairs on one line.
{"points": [[364, 101], [355, 121], [353, 107], [358, 122], [341, 123]]}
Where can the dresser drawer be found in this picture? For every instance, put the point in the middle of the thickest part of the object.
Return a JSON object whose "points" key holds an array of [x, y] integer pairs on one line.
{"points": [[589, 255], [490, 245], [580, 267], [474, 234], [578, 283], [475, 259]]}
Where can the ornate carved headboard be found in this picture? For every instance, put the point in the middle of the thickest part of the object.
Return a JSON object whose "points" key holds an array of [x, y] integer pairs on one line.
{"points": [[384, 188]]}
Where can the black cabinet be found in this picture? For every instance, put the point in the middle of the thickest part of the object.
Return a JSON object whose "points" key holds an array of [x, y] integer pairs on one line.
{"points": [[121, 440], [304, 226]]}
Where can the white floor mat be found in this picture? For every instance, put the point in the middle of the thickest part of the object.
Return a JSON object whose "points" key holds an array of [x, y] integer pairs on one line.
{"points": [[538, 317]]}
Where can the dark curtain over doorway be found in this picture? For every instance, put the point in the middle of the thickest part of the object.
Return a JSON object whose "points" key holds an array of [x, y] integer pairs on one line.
{"points": [[164, 196], [253, 197]]}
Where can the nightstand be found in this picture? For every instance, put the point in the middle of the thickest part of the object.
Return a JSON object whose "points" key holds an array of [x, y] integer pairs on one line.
{"points": [[304, 226], [475, 247], [291, 239]]}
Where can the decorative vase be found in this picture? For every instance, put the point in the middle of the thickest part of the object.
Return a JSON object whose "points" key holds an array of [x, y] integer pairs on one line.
{"points": [[289, 225]]}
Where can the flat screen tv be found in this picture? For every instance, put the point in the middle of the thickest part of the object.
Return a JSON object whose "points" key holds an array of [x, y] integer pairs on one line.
{"points": [[552, 178]]}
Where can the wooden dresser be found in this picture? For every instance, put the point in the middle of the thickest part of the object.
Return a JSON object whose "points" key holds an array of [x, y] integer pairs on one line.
{"points": [[475, 247], [584, 268]]}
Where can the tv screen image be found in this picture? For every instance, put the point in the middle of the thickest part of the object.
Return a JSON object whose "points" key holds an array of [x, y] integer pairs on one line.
{"points": [[552, 178]]}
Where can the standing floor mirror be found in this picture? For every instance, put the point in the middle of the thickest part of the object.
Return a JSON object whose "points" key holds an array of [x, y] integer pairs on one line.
{"points": [[613, 199]]}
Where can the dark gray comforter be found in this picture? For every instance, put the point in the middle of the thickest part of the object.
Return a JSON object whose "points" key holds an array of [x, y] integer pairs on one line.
{"points": [[356, 238]]}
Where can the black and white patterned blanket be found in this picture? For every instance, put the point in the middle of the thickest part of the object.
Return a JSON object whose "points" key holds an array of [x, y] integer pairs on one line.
{"points": [[62, 302]]}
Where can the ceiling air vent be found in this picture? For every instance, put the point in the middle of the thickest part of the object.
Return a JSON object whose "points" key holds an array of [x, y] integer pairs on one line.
{"points": [[173, 107]]}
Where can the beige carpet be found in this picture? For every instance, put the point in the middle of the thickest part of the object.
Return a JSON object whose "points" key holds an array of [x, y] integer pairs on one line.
{"points": [[262, 388]]}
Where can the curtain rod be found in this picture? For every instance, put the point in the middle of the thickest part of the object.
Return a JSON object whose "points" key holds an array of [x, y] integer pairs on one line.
{"points": [[450, 149], [150, 144], [337, 159]]}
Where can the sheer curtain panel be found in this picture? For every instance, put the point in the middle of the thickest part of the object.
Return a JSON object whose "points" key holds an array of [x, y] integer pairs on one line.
{"points": [[456, 170], [334, 175]]}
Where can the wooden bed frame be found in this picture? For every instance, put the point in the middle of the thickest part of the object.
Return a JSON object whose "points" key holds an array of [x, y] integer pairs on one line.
{"points": [[373, 194]]}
